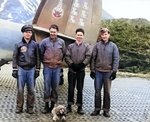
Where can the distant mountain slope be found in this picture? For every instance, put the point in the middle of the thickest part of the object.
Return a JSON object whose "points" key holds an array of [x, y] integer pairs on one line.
{"points": [[138, 21], [23, 11], [19, 11], [106, 15]]}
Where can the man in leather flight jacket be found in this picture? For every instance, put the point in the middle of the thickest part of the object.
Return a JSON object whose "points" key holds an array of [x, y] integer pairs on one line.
{"points": [[104, 64], [77, 57], [52, 50], [26, 67]]}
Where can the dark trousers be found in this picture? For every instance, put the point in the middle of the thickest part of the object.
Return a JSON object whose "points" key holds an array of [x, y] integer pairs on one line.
{"points": [[72, 78], [102, 79]]}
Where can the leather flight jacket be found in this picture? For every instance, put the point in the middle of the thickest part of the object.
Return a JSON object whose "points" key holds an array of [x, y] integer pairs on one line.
{"points": [[26, 55]]}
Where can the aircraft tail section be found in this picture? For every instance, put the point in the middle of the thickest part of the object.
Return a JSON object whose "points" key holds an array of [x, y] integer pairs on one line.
{"points": [[70, 15]]}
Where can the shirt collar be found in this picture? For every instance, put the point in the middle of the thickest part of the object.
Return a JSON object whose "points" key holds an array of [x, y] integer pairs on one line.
{"points": [[103, 41], [54, 40], [77, 43], [23, 40]]}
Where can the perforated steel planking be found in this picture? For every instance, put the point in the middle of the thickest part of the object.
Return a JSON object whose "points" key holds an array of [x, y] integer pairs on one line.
{"points": [[130, 100]]}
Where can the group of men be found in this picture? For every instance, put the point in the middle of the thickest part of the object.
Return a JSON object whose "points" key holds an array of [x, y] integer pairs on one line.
{"points": [[28, 55]]}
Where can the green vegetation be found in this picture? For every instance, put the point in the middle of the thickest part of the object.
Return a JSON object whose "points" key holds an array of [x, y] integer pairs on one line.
{"points": [[132, 36]]}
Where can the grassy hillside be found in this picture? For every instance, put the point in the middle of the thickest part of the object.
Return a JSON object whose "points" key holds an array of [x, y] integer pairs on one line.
{"points": [[132, 36]]}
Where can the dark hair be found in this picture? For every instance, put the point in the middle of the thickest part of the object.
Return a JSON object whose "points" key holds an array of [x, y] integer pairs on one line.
{"points": [[80, 30], [54, 27]]}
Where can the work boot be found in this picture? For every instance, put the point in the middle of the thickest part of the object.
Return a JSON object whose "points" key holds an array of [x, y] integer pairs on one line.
{"points": [[30, 110], [80, 111], [68, 109], [18, 110], [95, 113], [52, 106], [46, 109], [106, 114]]}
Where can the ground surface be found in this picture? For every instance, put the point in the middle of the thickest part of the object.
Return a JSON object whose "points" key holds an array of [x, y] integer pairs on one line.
{"points": [[130, 100]]}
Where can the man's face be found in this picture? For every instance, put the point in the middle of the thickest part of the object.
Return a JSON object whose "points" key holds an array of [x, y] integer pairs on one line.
{"points": [[53, 33], [105, 36], [79, 36], [27, 34]]}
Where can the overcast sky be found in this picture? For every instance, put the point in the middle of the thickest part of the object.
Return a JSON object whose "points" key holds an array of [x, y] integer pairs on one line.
{"points": [[127, 8]]}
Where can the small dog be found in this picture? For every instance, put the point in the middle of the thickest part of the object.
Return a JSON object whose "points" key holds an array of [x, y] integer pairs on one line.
{"points": [[59, 113]]}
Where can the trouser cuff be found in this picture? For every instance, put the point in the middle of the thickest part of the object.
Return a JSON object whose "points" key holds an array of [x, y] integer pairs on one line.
{"points": [[105, 109], [97, 109], [19, 108], [47, 100], [70, 103], [78, 104], [54, 100]]}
